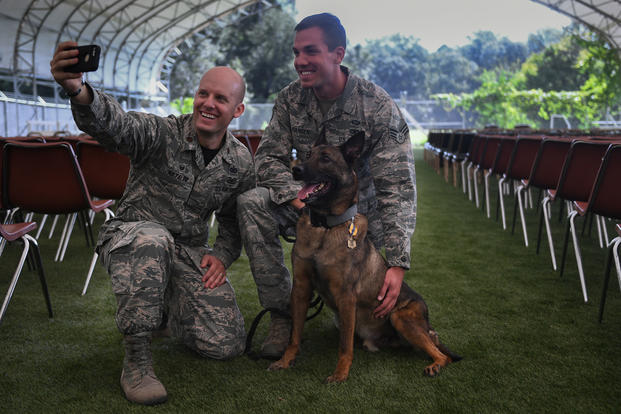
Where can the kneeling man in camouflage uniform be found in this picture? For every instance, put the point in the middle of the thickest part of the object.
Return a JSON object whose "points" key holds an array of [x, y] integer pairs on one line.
{"points": [[328, 100], [182, 170]]}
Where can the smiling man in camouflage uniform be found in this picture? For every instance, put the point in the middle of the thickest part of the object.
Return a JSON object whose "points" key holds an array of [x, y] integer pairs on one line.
{"points": [[155, 250], [328, 99]]}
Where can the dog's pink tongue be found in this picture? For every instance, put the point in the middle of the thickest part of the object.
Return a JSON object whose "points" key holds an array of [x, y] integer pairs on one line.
{"points": [[306, 190]]}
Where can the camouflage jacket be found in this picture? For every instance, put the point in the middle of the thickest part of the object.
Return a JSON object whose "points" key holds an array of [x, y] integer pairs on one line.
{"points": [[386, 173], [168, 182]]}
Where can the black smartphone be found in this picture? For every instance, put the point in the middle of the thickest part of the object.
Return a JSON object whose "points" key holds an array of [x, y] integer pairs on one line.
{"points": [[88, 59]]}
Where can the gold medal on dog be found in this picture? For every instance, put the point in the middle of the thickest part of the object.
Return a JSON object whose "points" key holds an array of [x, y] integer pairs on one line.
{"points": [[353, 231]]}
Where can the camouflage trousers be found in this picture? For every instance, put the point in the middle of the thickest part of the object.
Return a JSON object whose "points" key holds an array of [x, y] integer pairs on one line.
{"points": [[152, 275], [261, 222]]}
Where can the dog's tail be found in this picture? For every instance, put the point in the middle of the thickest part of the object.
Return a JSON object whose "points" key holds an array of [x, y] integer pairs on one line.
{"points": [[443, 348]]}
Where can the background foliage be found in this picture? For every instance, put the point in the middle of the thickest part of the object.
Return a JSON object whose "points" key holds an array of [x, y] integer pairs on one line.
{"points": [[497, 81]]}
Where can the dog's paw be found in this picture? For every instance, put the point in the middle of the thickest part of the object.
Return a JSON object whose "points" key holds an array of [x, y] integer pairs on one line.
{"points": [[431, 370], [335, 378], [278, 365]]}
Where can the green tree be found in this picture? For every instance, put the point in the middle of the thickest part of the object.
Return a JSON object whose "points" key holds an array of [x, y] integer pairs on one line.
{"points": [[258, 47], [601, 65], [555, 68], [261, 46], [489, 52], [451, 72], [399, 64], [197, 56], [541, 39]]}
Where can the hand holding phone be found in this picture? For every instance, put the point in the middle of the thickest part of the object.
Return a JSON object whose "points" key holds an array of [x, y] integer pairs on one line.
{"points": [[88, 59]]}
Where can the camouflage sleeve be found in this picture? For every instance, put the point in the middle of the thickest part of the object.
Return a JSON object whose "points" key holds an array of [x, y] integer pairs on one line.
{"points": [[273, 157], [227, 246], [392, 168], [130, 133]]}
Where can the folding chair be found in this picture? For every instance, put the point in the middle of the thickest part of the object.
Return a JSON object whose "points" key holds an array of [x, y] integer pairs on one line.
{"points": [[493, 145], [500, 167], [19, 231], [475, 165], [468, 162], [464, 140], [605, 201], [518, 168], [105, 173], [46, 178], [574, 186], [544, 175]]}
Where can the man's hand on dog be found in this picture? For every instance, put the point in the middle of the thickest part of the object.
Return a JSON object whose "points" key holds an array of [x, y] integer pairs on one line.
{"points": [[389, 292], [216, 272]]}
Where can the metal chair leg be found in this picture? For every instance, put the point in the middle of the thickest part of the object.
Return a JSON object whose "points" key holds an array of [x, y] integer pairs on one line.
{"points": [[613, 251], [574, 236]]}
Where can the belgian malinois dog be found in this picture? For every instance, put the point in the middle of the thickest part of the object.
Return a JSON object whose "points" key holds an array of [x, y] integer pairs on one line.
{"points": [[333, 256]]}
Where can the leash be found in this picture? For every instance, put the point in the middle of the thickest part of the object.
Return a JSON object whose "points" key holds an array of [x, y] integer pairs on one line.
{"points": [[315, 303]]}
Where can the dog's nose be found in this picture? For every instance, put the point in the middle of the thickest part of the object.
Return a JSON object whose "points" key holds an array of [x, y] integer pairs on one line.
{"points": [[298, 172]]}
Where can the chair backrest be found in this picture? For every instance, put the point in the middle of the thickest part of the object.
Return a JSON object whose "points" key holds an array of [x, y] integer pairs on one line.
{"points": [[453, 145], [43, 178], [523, 156], [549, 162], [490, 151], [475, 147], [105, 172], [480, 150], [464, 143], [605, 198], [580, 169], [504, 154]]}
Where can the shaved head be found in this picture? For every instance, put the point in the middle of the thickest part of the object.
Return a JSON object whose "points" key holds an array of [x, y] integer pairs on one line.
{"points": [[230, 79]]}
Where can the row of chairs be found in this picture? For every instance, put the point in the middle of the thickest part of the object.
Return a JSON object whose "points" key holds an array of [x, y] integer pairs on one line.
{"points": [[55, 176], [581, 169]]}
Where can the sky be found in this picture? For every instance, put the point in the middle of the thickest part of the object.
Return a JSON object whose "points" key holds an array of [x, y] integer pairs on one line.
{"points": [[436, 22]]}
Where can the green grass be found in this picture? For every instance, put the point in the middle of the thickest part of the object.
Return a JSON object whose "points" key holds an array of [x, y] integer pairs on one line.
{"points": [[529, 342]]}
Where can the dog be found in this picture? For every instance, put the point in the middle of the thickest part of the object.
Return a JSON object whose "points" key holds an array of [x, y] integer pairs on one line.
{"points": [[333, 256]]}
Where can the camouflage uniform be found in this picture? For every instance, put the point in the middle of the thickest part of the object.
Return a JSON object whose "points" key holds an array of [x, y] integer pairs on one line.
{"points": [[386, 176], [152, 249]]}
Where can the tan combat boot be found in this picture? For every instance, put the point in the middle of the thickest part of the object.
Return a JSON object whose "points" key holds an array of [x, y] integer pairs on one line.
{"points": [[138, 381], [277, 337]]}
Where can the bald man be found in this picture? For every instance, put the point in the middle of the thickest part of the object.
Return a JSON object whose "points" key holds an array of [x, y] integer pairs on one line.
{"points": [[183, 168]]}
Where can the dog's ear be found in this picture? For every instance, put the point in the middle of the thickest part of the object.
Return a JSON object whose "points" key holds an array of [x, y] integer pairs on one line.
{"points": [[352, 149], [322, 138]]}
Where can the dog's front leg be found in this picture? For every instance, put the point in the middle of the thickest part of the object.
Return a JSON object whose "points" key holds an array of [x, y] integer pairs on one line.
{"points": [[346, 304], [300, 299]]}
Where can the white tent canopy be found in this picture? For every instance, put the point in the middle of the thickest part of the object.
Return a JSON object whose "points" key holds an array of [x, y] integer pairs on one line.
{"points": [[138, 38], [603, 16]]}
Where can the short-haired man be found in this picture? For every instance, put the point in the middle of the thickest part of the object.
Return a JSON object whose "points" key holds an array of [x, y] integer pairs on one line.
{"points": [[327, 99], [183, 168]]}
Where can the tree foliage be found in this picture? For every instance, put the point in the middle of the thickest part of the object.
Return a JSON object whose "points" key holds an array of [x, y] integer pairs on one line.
{"points": [[583, 63], [258, 47], [492, 78]]}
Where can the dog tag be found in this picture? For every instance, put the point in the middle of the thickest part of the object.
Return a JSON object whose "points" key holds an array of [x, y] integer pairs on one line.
{"points": [[351, 243]]}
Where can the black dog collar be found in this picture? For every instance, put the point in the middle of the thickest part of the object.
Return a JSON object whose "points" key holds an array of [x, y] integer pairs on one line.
{"points": [[319, 220]]}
